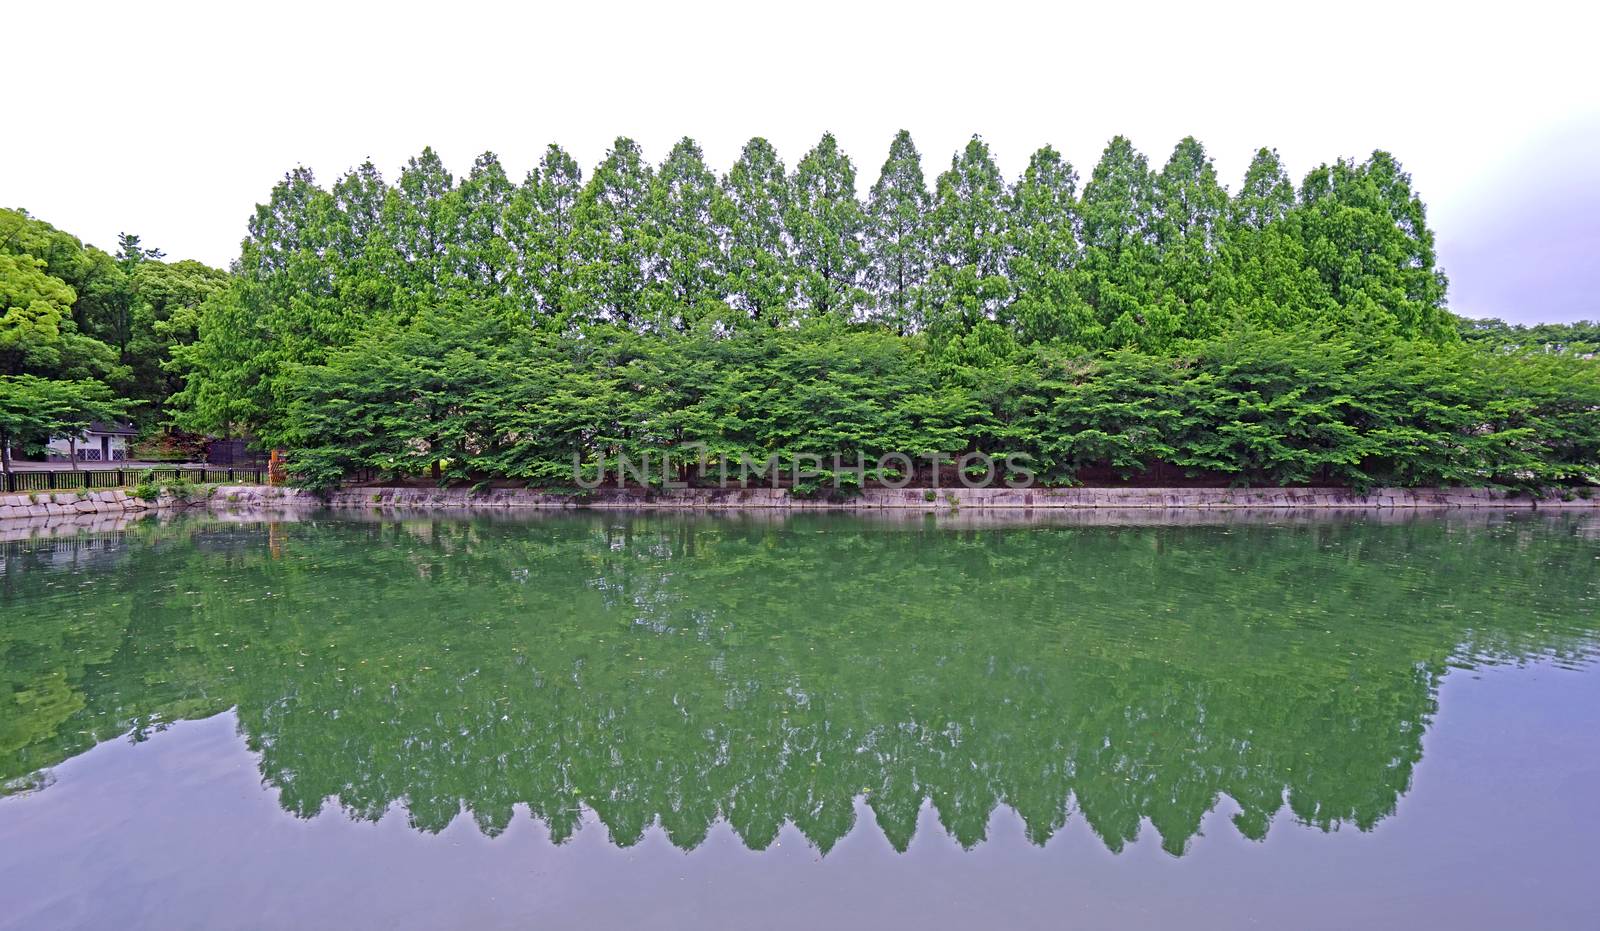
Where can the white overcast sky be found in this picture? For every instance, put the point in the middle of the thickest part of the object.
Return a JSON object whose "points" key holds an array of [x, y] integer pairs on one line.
{"points": [[173, 120]]}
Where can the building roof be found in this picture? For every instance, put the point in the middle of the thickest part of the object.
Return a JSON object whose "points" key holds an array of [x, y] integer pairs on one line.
{"points": [[115, 429]]}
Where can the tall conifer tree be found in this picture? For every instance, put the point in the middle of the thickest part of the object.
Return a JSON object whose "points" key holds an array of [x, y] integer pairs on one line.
{"points": [[365, 265], [1119, 262], [1043, 251], [1190, 210], [422, 222], [687, 271], [541, 226], [480, 252], [612, 225], [1366, 234], [1267, 283], [358, 197], [756, 196], [1266, 195], [968, 233], [898, 252], [826, 224]]}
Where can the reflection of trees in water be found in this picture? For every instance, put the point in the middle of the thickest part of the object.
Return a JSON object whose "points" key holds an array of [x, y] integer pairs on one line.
{"points": [[676, 671]]}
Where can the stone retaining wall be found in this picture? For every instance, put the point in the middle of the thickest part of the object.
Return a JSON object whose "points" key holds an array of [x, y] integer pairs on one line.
{"points": [[44, 506], [63, 503]]}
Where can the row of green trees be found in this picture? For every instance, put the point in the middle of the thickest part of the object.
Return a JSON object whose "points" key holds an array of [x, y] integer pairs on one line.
{"points": [[1137, 256], [479, 328], [1581, 337], [977, 266]]}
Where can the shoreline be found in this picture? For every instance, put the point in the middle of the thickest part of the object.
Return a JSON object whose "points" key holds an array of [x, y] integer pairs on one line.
{"points": [[946, 499], [47, 506]]}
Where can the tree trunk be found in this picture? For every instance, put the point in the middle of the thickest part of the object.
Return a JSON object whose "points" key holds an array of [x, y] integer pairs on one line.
{"points": [[72, 452], [5, 457]]}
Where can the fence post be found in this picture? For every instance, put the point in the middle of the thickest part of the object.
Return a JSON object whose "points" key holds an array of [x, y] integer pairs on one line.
{"points": [[50, 479]]}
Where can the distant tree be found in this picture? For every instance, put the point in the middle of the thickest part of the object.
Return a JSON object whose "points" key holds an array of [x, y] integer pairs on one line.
{"points": [[421, 220], [130, 252], [282, 307], [230, 370], [358, 198], [368, 279], [34, 308], [1266, 281], [1580, 338], [286, 233], [1266, 196], [167, 301]]}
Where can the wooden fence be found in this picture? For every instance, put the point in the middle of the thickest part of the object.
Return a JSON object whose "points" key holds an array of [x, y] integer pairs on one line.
{"points": [[91, 479]]}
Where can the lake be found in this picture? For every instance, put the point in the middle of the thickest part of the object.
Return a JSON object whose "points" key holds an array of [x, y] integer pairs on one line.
{"points": [[1199, 720]]}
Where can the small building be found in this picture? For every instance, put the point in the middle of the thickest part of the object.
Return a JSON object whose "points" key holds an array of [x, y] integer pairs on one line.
{"points": [[99, 442]]}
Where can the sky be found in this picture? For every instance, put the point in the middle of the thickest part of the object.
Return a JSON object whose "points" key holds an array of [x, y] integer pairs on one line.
{"points": [[172, 120]]}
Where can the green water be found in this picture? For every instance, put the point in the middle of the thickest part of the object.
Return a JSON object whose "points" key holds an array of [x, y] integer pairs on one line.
{"points": [[665, 678]]}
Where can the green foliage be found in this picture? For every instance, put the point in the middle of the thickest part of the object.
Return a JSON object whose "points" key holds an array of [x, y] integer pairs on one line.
{"points": [[539, 222], [1189, 221], [152, 485], [70, 311], [688, 275], [1366, 235], [33, 409], [146, 489], [1148, 324], [1294, 408], [34, 308]]}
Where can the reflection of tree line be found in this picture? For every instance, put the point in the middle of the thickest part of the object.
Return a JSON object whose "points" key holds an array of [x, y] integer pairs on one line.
{"points": [[667, 669]]}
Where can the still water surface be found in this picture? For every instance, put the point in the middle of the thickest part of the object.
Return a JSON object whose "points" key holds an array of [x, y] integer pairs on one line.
{"points": [[608, 720]]}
